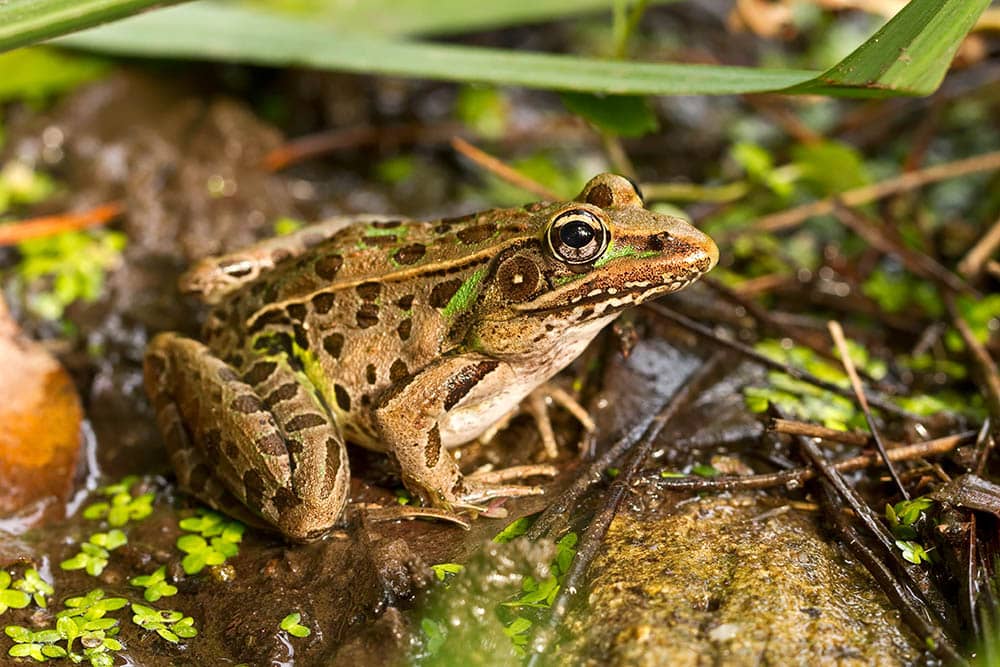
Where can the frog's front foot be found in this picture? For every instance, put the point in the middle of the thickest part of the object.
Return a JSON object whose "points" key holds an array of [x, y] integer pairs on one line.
{"points": [[537, 404], [476, 491]]}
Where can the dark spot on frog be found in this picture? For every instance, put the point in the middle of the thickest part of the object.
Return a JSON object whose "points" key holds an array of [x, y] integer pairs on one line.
{"points": [[379, 241], [432, 450], [296, 311], [370, 374], [271, 444], [227, 374], [199, 476], [253, 488], [404, 329], [304, 421], [327, 267], [246, 404], [323, 302], [211, 443], [443, 228], [284, 500], [275, 344], [411, 253], [369, 291], [601, 195], [301, 338], [387, 224], [657, 242], [442, 292], [405, 302], [366, 400], [235, 360], [398, 370], [518, 277], [268, 318], [585, 314], [367, 315], [282, 393], [477, 233], [342, 397], [462, 382], [279, 255], [259, 372], [333, 344]]}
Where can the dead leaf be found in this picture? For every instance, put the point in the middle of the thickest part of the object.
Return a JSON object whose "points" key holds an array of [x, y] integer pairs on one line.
{"points": [[40, 418]]}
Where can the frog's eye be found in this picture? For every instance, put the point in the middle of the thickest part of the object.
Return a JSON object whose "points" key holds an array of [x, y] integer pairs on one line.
{"points": [[578, 236]]}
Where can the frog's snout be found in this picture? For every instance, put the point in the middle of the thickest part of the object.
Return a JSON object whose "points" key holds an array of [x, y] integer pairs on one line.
{"points": [[705, 254]]}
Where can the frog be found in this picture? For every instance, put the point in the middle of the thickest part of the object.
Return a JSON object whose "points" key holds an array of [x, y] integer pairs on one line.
{"points": [[409, 338]]}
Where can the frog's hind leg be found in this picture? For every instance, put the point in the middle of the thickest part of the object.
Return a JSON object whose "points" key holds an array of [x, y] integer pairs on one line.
{"points": [[217, 276], [262, 434]]}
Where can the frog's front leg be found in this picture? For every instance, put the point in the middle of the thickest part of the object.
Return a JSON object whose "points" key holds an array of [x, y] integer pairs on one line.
{"points": [[261, 433], [450, 402]]}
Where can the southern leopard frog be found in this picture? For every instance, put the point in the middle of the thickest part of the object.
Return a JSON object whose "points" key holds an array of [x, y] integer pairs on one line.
{"points": [[401, 336]]}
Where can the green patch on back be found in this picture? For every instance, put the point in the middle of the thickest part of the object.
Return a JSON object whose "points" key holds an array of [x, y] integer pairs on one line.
{"points": [[465, 295], [615, 251]]}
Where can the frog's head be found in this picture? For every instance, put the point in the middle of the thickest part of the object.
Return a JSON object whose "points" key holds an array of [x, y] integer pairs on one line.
{"points": [[591, 259]]}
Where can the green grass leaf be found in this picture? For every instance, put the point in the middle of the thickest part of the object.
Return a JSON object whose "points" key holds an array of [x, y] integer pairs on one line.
{"points": [[908, 56]]}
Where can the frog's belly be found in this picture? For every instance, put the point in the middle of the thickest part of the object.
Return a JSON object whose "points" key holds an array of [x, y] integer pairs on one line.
{"points": [[483, 409]]}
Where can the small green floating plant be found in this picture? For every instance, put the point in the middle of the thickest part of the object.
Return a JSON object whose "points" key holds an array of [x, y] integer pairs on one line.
{"points": [[211, 539]]}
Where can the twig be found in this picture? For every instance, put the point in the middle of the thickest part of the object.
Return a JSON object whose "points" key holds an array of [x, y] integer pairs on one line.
{"points": [[501, 170], [914, 609], [972, 264], [765, 320], [917, 262], [757, 357], [618, 157], [593, 537], [989, 376], [694, 192], [909, 181], [799, 476], [320, 143], [852, 373], [559, 508], [15, 232], [918, 579]]}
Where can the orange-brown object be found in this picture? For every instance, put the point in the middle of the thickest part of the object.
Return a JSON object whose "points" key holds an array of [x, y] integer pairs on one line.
{"points": [[39, 426]]}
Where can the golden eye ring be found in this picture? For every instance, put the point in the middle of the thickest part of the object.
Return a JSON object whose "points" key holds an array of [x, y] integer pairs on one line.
{"points": [[578, 236]]}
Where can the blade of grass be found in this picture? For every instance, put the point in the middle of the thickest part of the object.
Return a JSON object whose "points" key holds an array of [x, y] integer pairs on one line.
{"points": [[216, 32], [24, 22], [909, 55]]}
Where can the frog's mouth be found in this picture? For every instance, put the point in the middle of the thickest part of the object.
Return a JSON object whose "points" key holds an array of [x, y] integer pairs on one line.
{"points": [[600, 302]]}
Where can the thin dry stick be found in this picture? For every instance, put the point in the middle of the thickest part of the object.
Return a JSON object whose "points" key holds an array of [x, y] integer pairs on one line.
{"points": [[34, 228], [747, 351], [984, 364], [793, 427], [501, 170], [910, 181], [800, 476], [917, 262], [845, 356], [972, 264]]}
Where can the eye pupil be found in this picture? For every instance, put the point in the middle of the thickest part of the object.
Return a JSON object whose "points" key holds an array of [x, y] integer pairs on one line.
{"points": [[576, 234]]}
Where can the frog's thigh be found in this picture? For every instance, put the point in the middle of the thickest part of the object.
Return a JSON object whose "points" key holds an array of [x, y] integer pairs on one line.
{"points": [[264, 437], [218, 275], [410, 415]]}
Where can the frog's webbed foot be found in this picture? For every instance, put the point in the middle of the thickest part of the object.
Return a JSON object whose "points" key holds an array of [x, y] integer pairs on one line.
{"points": [[537, 404]]}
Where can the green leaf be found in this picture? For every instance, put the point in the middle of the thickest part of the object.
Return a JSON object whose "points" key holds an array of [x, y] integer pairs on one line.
{"points": [[442, 570], [909, 55], [23, 23], [622, 115], [514, 529], [14, 599]]}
